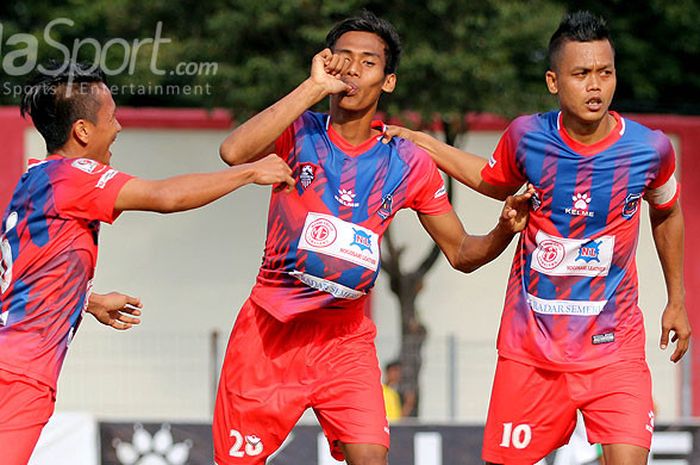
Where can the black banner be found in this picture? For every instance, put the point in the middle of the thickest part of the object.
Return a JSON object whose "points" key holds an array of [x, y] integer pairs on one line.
{"points": [[190, 444]]}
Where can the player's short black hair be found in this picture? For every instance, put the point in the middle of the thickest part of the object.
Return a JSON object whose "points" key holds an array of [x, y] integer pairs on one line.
{"points": [[367, 21], [580, 26], [58, 97]]}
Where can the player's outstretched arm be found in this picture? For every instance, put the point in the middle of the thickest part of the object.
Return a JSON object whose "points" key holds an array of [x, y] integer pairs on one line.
{"points": [[190, 191], [467, 253], [120, 311], [667, 229], [255, 138], [463, 166]]}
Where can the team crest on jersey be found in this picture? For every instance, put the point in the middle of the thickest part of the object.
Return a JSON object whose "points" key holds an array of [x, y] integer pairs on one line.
{"points": [[535, 201], [589, 252], [362, 239], [631, 205], [386, 209], [86, 165], [581, 201], [347, 198], [307, 175]]}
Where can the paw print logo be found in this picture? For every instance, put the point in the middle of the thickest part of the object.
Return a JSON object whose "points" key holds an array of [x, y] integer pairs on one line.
{"points": [[158, 449], [581, 201], [346, 197]]}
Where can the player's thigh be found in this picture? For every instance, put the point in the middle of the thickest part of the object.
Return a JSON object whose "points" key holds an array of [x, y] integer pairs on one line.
{"points": [[348, 398], [25, 407], [530, 414], [259, 399], [365, 454], [621, 407]]}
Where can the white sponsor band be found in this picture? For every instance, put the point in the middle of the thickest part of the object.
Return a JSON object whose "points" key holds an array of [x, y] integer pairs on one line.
{"points": [[328, 235], [336, 290], [558, 256], [565, 307]]}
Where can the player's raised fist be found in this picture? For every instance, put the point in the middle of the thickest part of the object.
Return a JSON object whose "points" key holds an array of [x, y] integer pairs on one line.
{"points": [[272, 170], [327, 70]]}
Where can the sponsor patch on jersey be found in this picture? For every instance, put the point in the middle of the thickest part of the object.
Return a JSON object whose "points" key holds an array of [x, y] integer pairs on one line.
{"points": [[307, 175], [603, 338], [631, 205], [565, 307], [492, 161], [88, 166], [105, 178], [328, 235], [336, 290], [558, 256], [386, 209]]}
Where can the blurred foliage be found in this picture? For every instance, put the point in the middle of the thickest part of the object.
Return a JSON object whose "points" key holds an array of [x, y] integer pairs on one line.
{"points": [[459, 56]]}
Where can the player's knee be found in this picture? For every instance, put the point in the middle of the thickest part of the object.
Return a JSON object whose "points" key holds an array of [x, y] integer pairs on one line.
{"points": [[365, 454]]}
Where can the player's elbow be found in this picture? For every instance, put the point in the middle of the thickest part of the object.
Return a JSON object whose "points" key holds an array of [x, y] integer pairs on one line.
{"points": [[466, 266], [229, 153]]}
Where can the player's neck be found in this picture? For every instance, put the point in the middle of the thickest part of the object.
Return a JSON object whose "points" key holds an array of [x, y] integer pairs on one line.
{"points": [[354, 127], [72, 150], [588, 133]]}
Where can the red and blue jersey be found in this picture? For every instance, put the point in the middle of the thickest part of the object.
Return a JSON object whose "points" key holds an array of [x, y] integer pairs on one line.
{"points": [[48, 252], [323, 238], [571, 300]]}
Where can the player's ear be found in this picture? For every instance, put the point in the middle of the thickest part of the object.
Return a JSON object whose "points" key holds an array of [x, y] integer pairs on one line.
{"points": [[550, 78], [389, 83], [81, 131]]}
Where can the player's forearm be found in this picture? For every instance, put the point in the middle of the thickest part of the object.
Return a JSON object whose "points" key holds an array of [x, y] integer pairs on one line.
{"points": [[476, 251], [250, 140], [668, 232], [463, 166], [191, 191]]}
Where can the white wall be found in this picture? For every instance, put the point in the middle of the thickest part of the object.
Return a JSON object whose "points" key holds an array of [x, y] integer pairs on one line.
{"points": [[193, 270]]}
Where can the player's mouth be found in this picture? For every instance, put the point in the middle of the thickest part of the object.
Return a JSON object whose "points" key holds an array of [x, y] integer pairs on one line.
{"points": [[354, 89], [594, 104]]}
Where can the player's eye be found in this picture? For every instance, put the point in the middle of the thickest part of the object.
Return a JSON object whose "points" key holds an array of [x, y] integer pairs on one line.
{"points": [[369, 63]]}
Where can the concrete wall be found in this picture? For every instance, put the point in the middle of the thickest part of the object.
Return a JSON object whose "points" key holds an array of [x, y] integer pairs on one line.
{"points": [[193, 271]]}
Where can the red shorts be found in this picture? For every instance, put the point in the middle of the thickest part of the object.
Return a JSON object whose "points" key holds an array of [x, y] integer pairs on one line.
{"points": [[533, 411], [25, 407], [274, 371]]}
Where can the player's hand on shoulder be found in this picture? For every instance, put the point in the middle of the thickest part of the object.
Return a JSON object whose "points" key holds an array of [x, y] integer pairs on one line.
{"points": [[272, 170], [516, 211], [397, 131], [675, 318], [327, 70], [120, 311]]}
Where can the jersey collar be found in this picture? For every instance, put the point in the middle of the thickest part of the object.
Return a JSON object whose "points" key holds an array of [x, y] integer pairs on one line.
{"points": [[347, 147], [32, 162], [597, 147]]}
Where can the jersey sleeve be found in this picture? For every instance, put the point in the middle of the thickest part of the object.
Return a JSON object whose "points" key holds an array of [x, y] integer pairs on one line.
{"points": [[429, 195], [664, 190], [86, 189], [502, 169]]}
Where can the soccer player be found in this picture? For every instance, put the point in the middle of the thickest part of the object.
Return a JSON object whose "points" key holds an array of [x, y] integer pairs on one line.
{"points": [[572, 336], [302, 339], [49, 236]]}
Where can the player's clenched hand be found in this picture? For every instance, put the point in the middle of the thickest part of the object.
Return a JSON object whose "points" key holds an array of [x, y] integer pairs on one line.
{"points": [[327, 69], [272, 170], [675, 318], [114, 309], [516, 211], [397, 131]]}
